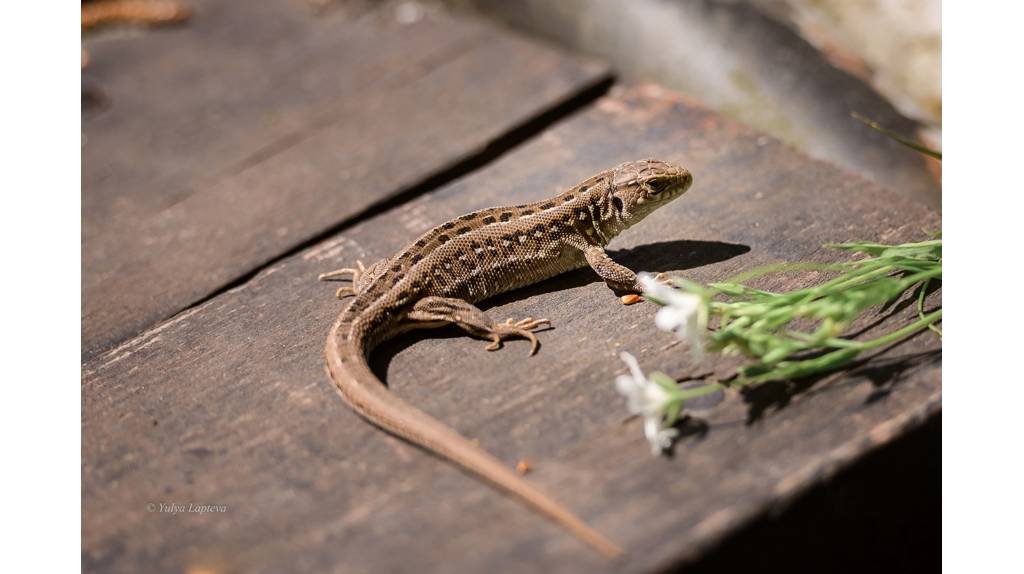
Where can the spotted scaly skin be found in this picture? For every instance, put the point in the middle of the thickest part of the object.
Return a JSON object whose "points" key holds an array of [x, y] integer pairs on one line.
{"points": [[437, 279]]}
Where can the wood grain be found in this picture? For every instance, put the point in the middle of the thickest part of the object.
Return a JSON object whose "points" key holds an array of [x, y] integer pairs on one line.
{"points": [[228, 403], [256, 126]]}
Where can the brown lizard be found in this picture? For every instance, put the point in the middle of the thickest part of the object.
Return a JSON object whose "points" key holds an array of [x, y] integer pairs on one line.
{"points": [[437, 279]]}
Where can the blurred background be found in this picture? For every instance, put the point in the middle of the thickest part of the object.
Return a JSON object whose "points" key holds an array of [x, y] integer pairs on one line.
{"points": [[793, 68]]}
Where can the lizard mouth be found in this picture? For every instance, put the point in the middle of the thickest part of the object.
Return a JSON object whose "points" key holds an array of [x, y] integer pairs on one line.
{"points": [[687, 180]]}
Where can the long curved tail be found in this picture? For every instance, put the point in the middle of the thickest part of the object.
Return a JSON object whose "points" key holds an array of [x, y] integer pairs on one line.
{"points": [[346, 361]]}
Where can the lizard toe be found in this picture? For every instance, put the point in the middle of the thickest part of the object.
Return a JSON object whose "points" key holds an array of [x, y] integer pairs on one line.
{"points": [[338, 274], [343, 292], [495, 342], [534, 343], [530, 323], [525, 334], [522, 329]]}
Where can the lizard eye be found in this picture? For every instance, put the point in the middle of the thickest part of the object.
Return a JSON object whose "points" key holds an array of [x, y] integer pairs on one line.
{"points": [[656, 185]]}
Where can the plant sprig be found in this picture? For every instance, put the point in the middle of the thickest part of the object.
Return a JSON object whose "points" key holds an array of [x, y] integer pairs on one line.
{"points": [[800, 333], [788, 335]]}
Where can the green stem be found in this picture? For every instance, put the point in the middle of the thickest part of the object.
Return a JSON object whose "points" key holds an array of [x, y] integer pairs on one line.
{"points": [[898, 137], [890, 338], [882, 246], [697, 392], [862, 278], [926, 276]]}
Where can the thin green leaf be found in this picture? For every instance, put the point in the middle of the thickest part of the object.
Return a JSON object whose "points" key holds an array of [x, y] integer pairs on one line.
{"points": [[898, 137], [664, 381]]}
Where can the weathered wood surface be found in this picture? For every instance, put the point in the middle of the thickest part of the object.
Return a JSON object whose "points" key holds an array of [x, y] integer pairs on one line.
{"points": [[228, 403], [256, 126]]}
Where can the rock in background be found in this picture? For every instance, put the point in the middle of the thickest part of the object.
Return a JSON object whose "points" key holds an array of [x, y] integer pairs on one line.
{"points": [[793, 68], [896, 46]]}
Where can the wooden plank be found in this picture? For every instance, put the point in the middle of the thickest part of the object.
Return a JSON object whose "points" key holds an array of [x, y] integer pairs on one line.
{"points": [[228, 403], [256, 127]]}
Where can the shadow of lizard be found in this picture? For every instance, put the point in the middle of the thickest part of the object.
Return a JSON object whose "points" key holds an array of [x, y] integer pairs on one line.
{"points": [[657, 257]]}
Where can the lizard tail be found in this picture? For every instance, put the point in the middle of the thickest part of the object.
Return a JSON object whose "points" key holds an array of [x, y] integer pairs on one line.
{"points": [[348, 367]]}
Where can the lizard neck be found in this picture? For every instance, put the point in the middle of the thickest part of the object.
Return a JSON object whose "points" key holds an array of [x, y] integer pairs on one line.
{"points": [[603, 211]]}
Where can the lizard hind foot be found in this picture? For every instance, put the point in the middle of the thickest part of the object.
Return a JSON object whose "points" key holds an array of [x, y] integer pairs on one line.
{"points": [[475, 322], [523, 328]]}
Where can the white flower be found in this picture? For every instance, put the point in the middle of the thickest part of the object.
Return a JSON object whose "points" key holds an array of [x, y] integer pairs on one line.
{"points": [[683, 314], [645, 398]]}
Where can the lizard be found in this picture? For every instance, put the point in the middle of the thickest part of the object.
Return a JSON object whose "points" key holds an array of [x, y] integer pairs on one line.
{"points": [[438, 279]]}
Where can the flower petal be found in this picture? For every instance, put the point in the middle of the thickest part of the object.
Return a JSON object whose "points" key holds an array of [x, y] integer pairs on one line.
{"points": [[648, 399], [669, 319], [626, 385], [634, 366]]}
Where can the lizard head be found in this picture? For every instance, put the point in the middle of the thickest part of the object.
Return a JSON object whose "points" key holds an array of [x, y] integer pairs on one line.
{"points": [[640, 187]]}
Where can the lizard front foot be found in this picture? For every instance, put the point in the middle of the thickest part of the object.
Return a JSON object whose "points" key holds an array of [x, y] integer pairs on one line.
{"points": [[523, 328], [633, 295]]}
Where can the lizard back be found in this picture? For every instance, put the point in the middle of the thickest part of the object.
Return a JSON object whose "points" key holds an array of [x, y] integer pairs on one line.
{"points": [[498, 249]]}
